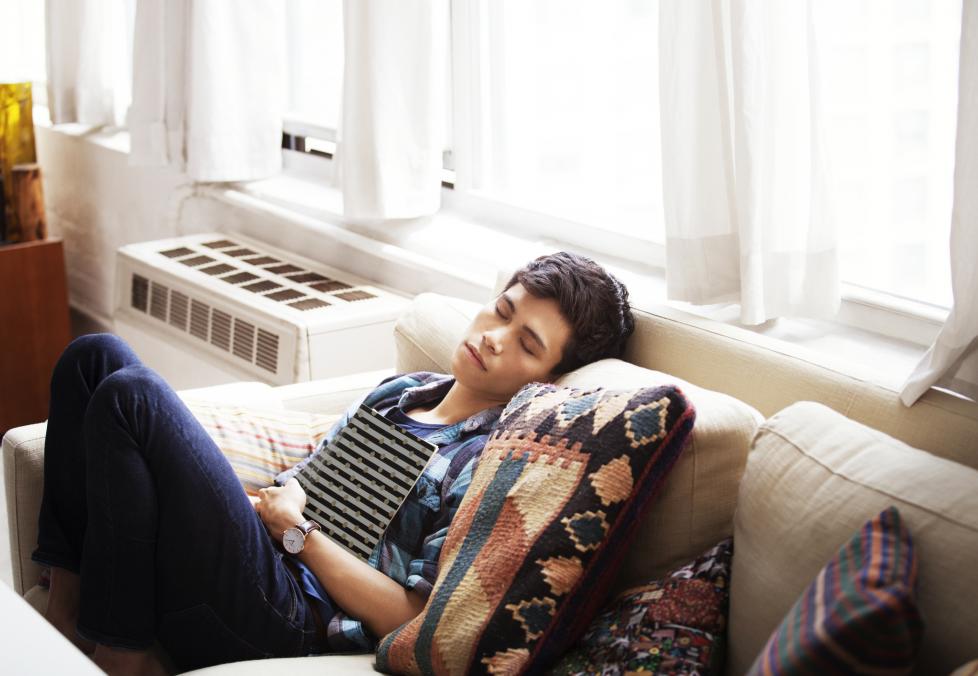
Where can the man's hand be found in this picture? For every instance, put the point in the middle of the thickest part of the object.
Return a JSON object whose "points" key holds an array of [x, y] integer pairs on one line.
{"points": [[281, 508]]}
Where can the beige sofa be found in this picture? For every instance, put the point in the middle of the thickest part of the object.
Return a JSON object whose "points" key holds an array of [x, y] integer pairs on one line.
{"points": [[792, 481]]}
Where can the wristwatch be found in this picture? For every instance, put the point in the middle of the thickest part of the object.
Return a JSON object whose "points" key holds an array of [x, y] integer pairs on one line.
{"points": [[294, 539]]}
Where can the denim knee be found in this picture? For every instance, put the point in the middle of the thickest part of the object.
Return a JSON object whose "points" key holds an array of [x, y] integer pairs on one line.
{"points": [[95, 342], [126, 381], [106, 350]]}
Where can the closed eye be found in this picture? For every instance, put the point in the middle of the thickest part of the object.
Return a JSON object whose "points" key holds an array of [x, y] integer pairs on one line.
{"points": [[522, 342], [505, 317]]}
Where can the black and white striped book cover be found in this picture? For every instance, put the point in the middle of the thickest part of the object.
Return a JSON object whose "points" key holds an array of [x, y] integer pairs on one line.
{"points": [[355, 484]]}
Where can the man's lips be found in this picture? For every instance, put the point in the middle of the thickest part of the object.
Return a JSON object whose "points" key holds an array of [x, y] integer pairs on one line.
{"points": [[476, 356]]}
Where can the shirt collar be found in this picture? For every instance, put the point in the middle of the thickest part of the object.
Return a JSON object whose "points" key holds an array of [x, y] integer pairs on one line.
{"points": [[481, 422]]}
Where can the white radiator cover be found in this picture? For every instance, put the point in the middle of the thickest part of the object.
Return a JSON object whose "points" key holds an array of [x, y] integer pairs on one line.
{"points": [[212, 308]]}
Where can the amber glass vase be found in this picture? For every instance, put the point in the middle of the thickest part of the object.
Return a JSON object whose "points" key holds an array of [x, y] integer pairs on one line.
{"points": [[16, 144]]}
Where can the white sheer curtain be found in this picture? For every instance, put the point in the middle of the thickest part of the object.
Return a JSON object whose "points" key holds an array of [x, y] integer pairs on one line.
{"points": [[743, 166], [392, 129], [952, 361], [87, 46], [208, 82]]}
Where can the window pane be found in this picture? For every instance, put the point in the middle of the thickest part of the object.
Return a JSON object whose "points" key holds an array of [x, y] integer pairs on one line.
{"points": [[571, 111], [315, 52], [22, 55], [889, 75]]}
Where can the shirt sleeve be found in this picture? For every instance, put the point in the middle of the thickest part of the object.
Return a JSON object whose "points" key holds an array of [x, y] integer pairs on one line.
{"points": [[423, 571]]}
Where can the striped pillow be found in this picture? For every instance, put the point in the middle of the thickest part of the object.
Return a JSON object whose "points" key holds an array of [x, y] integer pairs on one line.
{"points": [[260, 443], [859, 615]]}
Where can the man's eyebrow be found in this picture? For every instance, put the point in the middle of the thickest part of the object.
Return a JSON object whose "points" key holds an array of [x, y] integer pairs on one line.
{"points": [[533, 334]]}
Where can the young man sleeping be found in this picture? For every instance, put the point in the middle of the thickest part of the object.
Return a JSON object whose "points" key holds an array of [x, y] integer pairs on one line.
{"points": [[150, 535]]}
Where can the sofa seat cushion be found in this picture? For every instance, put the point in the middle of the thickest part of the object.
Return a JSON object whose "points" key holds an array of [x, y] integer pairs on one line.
{"points": [[812, 478], [346, 664]]}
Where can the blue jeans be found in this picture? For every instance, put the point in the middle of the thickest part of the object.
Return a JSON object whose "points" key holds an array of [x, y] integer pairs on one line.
{"points": [[140, 502]]}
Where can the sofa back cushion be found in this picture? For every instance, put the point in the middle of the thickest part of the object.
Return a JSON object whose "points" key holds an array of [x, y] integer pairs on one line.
{"points": [[695, 509], [735, 360], [427, 333], [812, 478], [696, 506]]}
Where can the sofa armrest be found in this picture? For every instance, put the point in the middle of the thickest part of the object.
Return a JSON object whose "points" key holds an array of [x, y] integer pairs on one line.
{"points": [[245, 394], [23, 472], [329, 395]]}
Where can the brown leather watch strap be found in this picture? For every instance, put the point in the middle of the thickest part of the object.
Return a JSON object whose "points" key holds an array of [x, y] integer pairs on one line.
{"points": [[308, 526]]}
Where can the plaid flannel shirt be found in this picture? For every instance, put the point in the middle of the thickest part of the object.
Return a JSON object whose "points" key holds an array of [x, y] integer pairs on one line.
{"points": [[409, 550]]}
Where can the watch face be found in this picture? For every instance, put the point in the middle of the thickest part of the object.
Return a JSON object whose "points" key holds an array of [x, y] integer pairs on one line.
{"points": [[293, 540]]}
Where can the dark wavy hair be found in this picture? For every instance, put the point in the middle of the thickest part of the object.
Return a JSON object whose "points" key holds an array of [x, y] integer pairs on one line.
{"points": [[592, 300]]}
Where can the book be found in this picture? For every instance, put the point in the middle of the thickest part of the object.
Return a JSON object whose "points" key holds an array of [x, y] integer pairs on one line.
{"points": [[356, 483]]}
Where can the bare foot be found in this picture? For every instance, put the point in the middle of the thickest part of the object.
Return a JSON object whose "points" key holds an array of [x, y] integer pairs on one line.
{"points": [[127, 662]]}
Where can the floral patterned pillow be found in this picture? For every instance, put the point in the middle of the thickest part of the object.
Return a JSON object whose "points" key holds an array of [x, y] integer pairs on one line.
{"points": [[674, 625]]}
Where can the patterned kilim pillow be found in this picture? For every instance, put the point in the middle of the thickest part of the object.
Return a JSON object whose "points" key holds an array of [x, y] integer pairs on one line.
{"points": [[528, 559], [671, 626], [260, 443], [859, 615]]}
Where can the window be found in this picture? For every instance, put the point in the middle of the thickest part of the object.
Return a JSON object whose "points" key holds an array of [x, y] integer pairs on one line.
{"points": [[563, 112], [315, 61], [22, 54], [555, 113], [890, 79]]}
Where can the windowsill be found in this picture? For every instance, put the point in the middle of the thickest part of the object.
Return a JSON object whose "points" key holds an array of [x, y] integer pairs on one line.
{"points": [[868, 340], [113, 138]]}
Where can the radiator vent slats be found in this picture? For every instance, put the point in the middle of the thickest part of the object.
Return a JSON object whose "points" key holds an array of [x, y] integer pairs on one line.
{"points": [[178, 310], [158, 301], [266, 355], [225, 260], [231, 334], [140, 293], [221, 330], [200, 315], [244, 340]]}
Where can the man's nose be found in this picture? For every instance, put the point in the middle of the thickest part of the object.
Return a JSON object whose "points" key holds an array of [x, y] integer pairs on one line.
{"points": [[492, 341]]}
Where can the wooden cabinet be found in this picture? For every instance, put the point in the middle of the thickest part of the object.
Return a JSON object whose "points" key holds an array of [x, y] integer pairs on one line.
{"points": [[34, 328]]}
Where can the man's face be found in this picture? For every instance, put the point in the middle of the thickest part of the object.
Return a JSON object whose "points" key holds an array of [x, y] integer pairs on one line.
{"points": [[515, 339]]}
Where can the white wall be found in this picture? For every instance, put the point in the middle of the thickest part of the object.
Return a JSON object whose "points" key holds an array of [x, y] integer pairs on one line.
{"points": [[96, 202]]}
